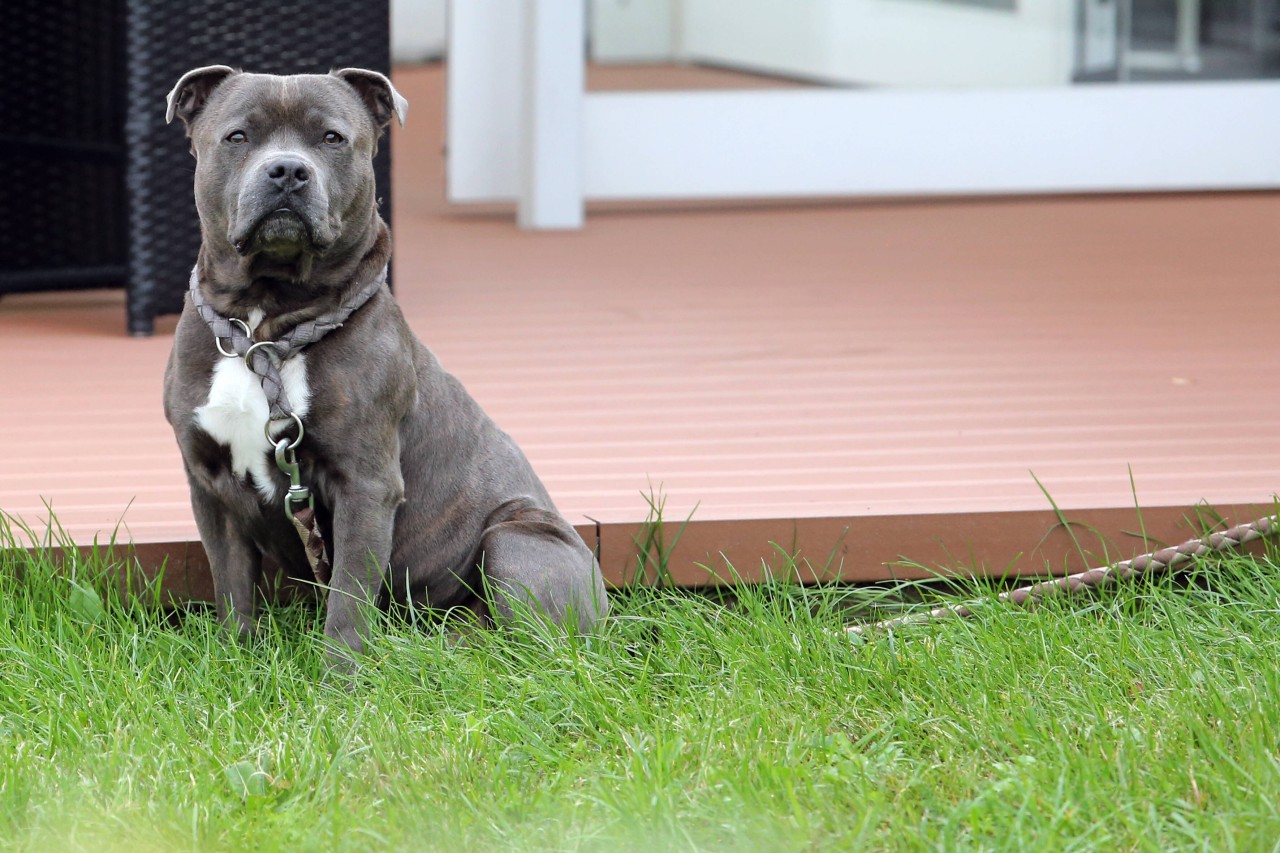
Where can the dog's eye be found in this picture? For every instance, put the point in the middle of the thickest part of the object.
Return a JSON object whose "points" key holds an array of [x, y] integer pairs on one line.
{"points": [[237, 137], [333, 137]]}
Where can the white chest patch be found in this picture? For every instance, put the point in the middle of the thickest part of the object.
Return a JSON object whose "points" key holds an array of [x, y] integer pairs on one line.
{"points": [[236, 413]]}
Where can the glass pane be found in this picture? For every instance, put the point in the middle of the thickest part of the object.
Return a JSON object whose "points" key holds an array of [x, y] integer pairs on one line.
{"points": [[928, 43]]}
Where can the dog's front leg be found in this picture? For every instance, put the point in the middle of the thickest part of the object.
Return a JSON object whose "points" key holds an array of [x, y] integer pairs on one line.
{"points": [[363, 527], [234, 562]]}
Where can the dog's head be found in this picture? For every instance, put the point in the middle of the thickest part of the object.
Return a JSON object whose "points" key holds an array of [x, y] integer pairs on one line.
{"points": [[284, 165]]}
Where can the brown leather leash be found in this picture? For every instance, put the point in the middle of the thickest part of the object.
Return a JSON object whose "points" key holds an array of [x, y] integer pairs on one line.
{"points": [[304, 521], [264, 358], [1167, 559]]}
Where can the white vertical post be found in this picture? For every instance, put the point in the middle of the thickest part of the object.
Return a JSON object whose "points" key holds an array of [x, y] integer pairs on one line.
{"points": [[1188, 34], [551, 144]]}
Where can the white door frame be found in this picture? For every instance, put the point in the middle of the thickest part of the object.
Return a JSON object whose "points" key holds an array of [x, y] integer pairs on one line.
{"points": [[521, 127]]}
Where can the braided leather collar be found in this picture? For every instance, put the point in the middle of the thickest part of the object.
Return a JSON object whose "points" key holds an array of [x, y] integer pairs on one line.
{"points": [[267, 364]]}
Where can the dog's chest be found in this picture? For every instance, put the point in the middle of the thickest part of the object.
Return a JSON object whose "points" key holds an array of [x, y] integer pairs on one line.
{"points": [[236, 412]]}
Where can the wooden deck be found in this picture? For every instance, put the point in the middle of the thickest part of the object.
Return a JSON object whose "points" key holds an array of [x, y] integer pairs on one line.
{"points": [[874, 384]]}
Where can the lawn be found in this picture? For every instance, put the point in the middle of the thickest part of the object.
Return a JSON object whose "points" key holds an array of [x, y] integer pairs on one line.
{"points": [[1144, 718]]}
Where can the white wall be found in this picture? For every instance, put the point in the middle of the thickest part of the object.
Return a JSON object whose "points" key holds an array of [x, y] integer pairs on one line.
{"points": [[631, 30], [417, 30], [922, 43]]}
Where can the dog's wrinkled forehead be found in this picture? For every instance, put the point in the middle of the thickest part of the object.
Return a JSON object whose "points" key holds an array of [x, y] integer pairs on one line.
{"points": [[362, 100], [296, 101]]}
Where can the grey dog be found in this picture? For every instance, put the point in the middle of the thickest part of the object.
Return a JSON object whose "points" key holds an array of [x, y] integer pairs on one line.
{"points": [[421, 497]]}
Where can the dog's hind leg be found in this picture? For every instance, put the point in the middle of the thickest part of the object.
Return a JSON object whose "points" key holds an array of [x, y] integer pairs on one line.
{"points": [[533, 560]]}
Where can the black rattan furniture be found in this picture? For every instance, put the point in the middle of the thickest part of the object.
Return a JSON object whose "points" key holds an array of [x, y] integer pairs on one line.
{"points": [[62, 197], [116, 195]]}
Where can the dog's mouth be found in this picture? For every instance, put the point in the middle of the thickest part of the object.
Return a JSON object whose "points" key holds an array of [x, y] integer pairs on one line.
{"points": [[282, 234]]}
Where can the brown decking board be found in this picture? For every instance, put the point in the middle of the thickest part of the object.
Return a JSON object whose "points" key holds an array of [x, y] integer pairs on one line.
{"points": [[871, 383]]}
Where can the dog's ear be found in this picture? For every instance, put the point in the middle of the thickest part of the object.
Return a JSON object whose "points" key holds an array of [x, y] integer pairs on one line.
{"points": [[380, 98], [188, 97]]}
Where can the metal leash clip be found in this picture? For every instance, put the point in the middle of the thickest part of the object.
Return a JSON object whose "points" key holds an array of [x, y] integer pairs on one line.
{"points": [[287, 462]]}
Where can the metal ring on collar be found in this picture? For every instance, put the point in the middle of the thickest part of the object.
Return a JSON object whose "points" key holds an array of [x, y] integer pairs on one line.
{"points": [[297, 420], [248, 333], [250, 350]]}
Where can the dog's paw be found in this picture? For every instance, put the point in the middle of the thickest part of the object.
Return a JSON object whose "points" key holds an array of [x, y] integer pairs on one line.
{"points": [[341, 674], [239, 628], [342, 667]]}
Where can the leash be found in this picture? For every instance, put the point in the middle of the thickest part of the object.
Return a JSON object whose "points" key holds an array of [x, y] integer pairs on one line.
{"points": [[1167, 559], [264, 359]]}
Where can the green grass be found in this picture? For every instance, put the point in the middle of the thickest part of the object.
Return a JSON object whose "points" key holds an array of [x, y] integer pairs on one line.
{"points": [[1148, 718]]}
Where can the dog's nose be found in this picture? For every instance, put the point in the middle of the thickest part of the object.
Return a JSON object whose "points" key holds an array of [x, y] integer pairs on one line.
{"points": [[287, 174]]}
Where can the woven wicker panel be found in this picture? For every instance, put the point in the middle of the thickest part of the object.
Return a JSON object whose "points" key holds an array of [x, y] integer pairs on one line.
{"points": [[167, 39], [61, 148]]}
